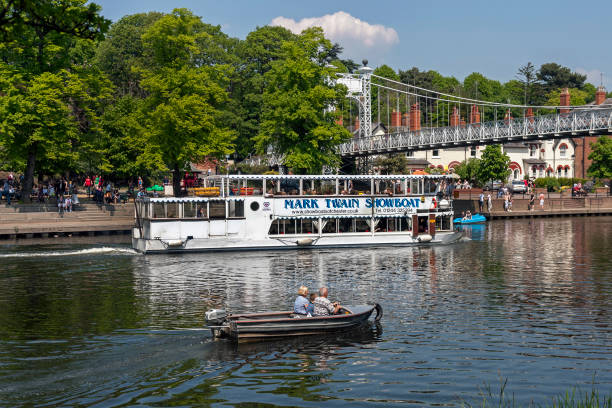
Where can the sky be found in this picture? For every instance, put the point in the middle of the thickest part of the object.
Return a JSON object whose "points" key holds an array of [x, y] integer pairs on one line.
{"points": [[454, 38]]}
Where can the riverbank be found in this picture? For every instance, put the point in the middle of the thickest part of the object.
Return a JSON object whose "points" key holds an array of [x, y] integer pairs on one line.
{"points": [[43, 220], [553, 207]]}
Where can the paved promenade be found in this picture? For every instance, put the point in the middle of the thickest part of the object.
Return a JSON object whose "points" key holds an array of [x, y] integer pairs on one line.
{"points": [[553, 207], [41, 220]]}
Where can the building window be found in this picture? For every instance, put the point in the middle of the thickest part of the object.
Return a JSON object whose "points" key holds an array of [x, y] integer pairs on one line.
{"points": [[473, 151], [410, 153], [517, 175], [532, 151], [566, 169], [435, 153], [562, 150]]}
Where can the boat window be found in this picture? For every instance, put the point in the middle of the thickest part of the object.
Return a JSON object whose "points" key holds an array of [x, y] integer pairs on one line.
{"points": [[236, 209], [430, 186], [273, 228], [194, 210], [172, 210], [331, 226], [217, 209], [346, 225], [159, 210], [361, 225], [415, 186], [306, 226], [443, 223]]}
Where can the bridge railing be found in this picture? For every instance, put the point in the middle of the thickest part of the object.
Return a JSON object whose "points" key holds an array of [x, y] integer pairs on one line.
{"points": [[578, 121]]}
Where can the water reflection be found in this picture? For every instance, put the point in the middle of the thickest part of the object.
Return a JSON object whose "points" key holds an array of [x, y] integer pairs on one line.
{"points": [[528, 300]]}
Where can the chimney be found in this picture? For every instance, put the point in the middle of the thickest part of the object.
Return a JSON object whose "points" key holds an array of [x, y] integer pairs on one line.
{"points": [[405, 120], [508, 116], [356, 123], [565, 100], [454, 119], [415, 117], [600, 95], [396, 119], [339, 119], [474, 115], [529, 114]]}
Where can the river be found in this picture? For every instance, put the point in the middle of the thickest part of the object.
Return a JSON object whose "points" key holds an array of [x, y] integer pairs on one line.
{"points": [[523, 302]]}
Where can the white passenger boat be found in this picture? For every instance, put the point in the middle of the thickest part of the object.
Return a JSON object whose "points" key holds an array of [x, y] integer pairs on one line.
{"points": [[255, 212]]}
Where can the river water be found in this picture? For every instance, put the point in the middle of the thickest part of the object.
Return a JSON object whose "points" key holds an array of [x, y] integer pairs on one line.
{"points": [[525, 302]]}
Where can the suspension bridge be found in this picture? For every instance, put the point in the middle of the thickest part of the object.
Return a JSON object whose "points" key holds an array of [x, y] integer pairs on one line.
{"points": [[406, 132]]}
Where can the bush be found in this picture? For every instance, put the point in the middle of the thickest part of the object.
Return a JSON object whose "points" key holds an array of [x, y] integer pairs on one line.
{"points": [[555, 184]]}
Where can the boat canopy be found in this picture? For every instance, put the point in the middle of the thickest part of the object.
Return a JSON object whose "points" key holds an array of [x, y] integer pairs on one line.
{"points": [[190, 199], [334, 177]]}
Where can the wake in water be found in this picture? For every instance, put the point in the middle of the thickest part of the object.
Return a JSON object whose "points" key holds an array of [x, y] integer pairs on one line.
{"points": [[87, 251]]}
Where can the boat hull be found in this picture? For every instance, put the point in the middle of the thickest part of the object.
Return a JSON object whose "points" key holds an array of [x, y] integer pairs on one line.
{"points": [[258, 326], [292, 243]]}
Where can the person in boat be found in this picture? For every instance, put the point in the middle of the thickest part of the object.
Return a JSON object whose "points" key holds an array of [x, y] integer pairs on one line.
{"points": [[300, 306], [310, 307], [323, 306], [468, 215]]}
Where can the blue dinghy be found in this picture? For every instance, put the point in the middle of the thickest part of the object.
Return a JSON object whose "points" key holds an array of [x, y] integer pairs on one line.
{"points": [[476, 219]]}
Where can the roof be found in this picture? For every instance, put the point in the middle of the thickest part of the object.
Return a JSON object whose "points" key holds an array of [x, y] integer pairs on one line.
{"points": [[516, 145], [534, 161], [419, 162]]}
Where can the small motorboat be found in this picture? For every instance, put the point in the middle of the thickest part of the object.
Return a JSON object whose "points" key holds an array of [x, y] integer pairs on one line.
{"points": [[476, 219], [257, 326]]}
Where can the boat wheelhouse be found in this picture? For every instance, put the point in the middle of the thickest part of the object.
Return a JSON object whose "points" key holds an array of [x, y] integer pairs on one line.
{"points": [[254, 212]]}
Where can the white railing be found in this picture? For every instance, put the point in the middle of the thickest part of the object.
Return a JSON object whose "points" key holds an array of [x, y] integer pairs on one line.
{"points": [[544, 127]]}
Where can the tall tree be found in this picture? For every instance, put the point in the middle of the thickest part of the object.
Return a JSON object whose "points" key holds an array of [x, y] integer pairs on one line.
{"points": [[493, 165], [38, 41], [255, 54], [527, 77], [468, 169], [183, 112], [122, 50], [554, 76], [601, 157], [298, 119]]}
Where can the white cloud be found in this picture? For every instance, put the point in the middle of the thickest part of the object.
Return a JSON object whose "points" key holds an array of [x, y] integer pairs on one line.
{"points": [[593, 76], [358, 37]]}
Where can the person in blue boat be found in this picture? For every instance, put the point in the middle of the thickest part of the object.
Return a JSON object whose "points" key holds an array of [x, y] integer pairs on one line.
{"points": [[301, 304]]}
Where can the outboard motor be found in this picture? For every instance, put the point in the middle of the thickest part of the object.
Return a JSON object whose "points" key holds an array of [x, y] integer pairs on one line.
{"points": [[215, 317]]}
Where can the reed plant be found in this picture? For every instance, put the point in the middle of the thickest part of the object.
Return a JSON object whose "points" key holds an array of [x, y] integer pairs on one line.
{"points": [[573, 398]]}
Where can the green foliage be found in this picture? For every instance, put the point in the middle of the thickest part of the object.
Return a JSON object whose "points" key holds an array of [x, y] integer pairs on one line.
{"points": [[182, 115], [577, 97], [493, 164], [122, 49], [468, 170], [296, 120], [392, 164], [601, 157], [555, 183]]}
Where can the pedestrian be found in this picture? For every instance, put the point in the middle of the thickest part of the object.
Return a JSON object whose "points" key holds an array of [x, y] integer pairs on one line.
{"points": [[139, 182], [87, 185], [481, 198], [489, 202], [60, 204], [6, 191], [542, 200], [531, 202]]}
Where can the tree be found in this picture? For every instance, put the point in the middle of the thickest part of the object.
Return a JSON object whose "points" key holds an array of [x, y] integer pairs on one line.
{"points": [[392, 164], [381, 109], [122, 50], [577, 97], [468, 169], [297, 118], [255, 54], [38, 46], [601, 157], [554, 76], [183, 112], [527, 77], [493, 165]]}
